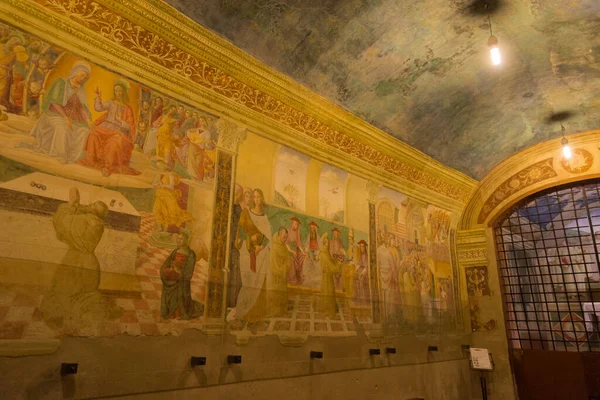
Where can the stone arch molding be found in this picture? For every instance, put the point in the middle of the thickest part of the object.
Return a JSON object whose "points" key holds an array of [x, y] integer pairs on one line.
{"points": [[534, 169]]}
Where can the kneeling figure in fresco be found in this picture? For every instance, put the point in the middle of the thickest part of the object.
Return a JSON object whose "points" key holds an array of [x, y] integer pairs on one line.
{"points": [[74, 300]]}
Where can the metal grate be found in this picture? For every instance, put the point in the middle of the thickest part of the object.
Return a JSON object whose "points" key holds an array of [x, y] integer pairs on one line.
{"points": [[548, 257]]}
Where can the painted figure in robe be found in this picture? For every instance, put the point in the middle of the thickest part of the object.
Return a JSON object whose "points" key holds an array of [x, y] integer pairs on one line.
{"points": [[176, 274], [203, 152], [182, 143], [277, 293], [8, 57], [74, 300], [426, 295], [110, 143], [62, 130], [296, 273], [165, 137], [388, 277], [349, 267], [361, 275], [412, 307], [234, 278], [311, 268], [20, 72], [326, 301], [154, 123], [255, 257], [166, 209], [338, 252]]}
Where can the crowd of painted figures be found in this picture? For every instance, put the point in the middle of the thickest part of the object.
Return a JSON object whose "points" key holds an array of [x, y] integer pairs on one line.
{"points": [[408, 286], [265, 263], [65, 129]]}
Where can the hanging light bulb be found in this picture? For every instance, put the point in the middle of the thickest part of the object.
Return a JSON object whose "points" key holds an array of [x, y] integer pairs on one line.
{"points": [[566, 149], [494, 50], [493, 43]]}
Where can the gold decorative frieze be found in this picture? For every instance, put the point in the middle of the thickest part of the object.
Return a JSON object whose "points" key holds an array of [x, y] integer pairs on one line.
{"points": [[472, 254], [129, 34], [534, 173]]}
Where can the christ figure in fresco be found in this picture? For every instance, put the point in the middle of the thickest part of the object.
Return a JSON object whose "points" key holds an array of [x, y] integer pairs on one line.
{"points": [[296, 274], [110, 143]]}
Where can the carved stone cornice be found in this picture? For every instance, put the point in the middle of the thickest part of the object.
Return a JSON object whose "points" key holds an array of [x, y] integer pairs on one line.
{"points": [[151, 41], [471, 247], [230, 135]]}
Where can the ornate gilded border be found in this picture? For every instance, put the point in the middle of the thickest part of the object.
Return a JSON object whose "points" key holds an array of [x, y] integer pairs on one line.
{"points": [[529, 171], [365, 145], [373, 264], [220, 228], [535, 173]]}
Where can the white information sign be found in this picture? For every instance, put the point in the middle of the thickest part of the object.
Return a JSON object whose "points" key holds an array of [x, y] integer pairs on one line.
{"points": [[481, 360]]}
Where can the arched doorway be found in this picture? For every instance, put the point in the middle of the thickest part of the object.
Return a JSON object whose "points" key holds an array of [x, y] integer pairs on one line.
{"points": [[547, 251]]}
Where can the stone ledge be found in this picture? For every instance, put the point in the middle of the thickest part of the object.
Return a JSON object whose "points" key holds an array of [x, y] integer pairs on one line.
{"points": [[21, 347]]}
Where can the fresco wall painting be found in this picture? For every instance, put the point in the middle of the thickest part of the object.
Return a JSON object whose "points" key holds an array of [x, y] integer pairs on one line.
{"points": [[293, 270], [120, 183], [414, 264], [106, 197], [479, 293]]}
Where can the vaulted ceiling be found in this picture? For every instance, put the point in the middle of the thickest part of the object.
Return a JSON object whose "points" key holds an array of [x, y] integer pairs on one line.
{"points": [[421, 71]]}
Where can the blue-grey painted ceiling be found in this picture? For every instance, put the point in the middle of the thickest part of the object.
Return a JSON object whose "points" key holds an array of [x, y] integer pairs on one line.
{"points": [[421, 71]]}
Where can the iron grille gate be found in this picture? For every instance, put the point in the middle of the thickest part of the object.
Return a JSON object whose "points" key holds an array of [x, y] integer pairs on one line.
{"points": [[547, 247]]}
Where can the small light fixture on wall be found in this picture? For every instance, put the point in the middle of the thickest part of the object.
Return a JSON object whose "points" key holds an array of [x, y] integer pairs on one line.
{"points": [[566, 149], [493, 44]]}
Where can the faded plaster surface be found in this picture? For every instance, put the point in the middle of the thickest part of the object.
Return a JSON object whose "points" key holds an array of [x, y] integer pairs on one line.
{"points": [[421, 71], [159, 368]]}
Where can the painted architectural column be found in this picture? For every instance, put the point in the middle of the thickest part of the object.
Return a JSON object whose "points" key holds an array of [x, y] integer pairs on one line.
{"points": [[373, 190], [480, 284], [230, 135]]}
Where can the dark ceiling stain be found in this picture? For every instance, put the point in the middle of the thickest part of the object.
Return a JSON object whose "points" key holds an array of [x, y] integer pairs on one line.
{"points": [[560, 116], [477, 7]]}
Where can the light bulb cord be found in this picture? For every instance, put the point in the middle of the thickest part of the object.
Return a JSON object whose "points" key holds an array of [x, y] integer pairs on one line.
{"points": [[490, 23]]}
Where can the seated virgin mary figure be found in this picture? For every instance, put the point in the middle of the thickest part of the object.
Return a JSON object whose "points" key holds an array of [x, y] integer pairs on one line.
{"points": [[63, 127], [110, 143]]}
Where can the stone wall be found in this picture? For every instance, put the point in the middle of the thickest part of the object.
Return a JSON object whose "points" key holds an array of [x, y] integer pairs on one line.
{"points": [[158, 368]]}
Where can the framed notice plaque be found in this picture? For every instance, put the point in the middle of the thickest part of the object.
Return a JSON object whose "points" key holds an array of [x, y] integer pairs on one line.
{"points": [[481, 360]]}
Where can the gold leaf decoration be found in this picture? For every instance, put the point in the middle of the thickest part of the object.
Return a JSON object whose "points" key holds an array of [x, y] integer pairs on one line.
{"points": [[133, 37], [535, 173]]}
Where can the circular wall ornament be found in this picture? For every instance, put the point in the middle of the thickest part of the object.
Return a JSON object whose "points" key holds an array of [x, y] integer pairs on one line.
{"points": [[580, 161]]}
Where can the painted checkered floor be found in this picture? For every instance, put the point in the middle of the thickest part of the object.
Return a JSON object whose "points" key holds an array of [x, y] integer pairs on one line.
{"points": [[302, 318], [19, 306], [20, 316]]}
